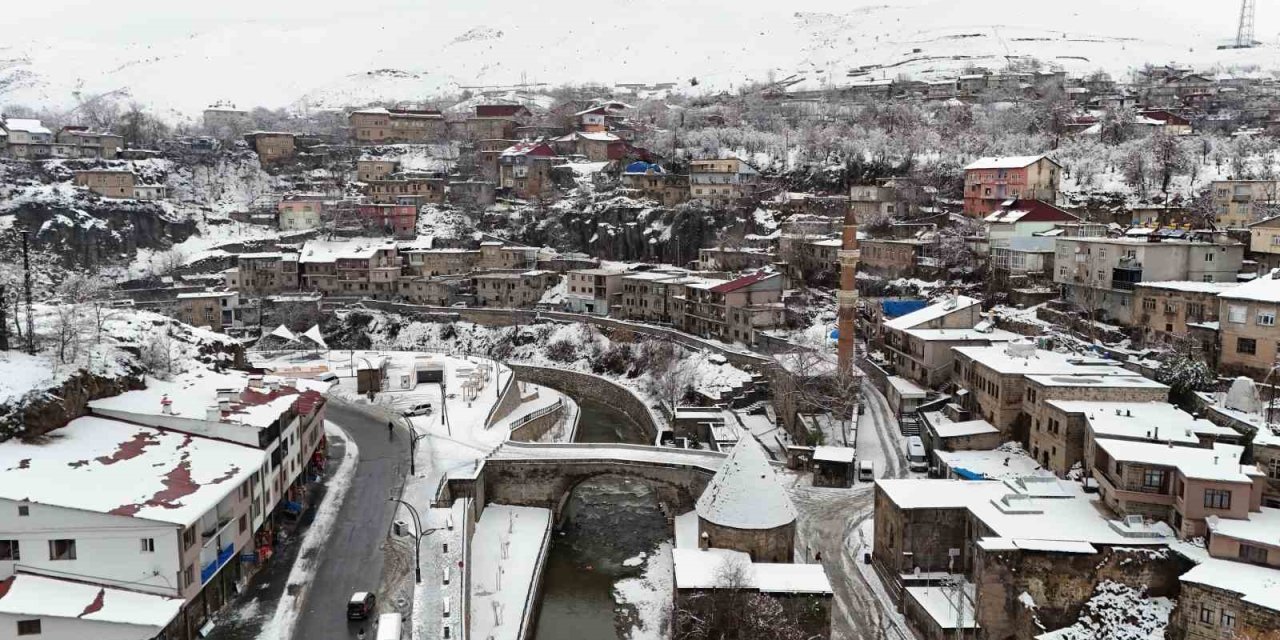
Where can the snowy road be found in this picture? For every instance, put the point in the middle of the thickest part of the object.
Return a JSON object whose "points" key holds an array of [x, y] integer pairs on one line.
{"points": [[830, 519]]}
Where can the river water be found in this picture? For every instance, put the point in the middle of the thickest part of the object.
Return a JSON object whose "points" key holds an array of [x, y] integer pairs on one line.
{"points": [[607, 520]]}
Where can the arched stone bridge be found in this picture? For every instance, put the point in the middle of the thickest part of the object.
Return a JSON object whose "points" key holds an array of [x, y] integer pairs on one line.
{"points": [[544, 475]]}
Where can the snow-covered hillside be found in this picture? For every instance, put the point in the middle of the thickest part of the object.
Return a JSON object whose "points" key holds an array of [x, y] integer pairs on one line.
{"points": [[183, 56]]}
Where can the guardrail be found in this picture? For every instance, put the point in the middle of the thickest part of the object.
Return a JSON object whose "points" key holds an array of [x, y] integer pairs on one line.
{"points": [[526, 419]]}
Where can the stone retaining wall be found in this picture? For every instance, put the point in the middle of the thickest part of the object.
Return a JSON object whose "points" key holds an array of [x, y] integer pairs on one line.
{"points": [[585, 385]]}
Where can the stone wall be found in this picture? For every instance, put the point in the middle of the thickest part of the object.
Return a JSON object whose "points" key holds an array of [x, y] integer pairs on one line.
{"points": [[1060, 584], [763, 545], [585, 385], [1251, 621], [533, 430], [43, 410], [927, 535], [548, 483]]}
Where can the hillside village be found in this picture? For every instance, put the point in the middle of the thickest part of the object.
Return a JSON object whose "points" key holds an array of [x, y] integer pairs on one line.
{"points": [[988, 356]]}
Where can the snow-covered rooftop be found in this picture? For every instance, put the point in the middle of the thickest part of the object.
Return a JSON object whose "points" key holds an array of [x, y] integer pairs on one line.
{"points": [[745, 492], [945, 335], [1191, 286], [998, 464], [706, 569], [1262, 527], [906, 388], [107, 466], [940, 603], [1221, 463], [27, 595], [1111, 378], [26, 125], [1256, 584], [193, 393], [329, 251], [1262, 289], [833, 454], [945, 428], [1025, 359], [1155, 421], [931, 312], [1005, 162], [1013, 511]]}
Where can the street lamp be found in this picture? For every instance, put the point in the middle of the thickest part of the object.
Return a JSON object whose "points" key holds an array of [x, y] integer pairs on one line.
{"points": [[418, 535], [414, 437]]}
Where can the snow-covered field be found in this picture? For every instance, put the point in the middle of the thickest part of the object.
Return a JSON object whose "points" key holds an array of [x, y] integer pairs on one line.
{"points": [[281, 53]]}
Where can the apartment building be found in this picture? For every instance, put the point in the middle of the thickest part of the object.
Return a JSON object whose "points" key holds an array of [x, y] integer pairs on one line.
{"points": [[108, 183], [26, 139], [370, 170], [218, 117], [406, 190], [1100, 274], [272, 146], [1249, 342], [366, 267], [495, 254], [992, 380], [263, 273], [1166, 309], [891, 258], [919, 345], [441, 291], [647, 295], [218, 310], [730, 310], [301, 212], [592, 290], [734, 258], [1240, 203], [524, 169], [439, 262], [398, 220], [722, 181], [388, 126], [989, 182], [1230, 594], [513, 289]]}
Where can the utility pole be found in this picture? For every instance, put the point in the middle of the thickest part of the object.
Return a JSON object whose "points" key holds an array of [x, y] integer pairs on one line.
{"points": [[4, 327], [26, 286]]}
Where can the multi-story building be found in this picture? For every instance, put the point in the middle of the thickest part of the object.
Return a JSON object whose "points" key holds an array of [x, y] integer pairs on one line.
{"points": [[592, 290], [406, 190], [600, 146], [108, 183], [1100, 274], [1264, 242], [988, 182], [441, 291], [301, 212], [730, 310], [524, 169], [893, 197], [218, 310], [1240, 203], [438, 262], [91, 144], [366, 267], [500, 255], [1230, 594], [1023, 219], [1249, 342], [722, 181], [891, 258], [513, 289], [488, 154], [918, 345], [263, 274], [809, 259], [734, 258], [654, 183], [1166, 308], [993, 380], [387, 126], [647, 295], [272, 146], [399, 220], [219, 117], [370, 170], [26, 138]]}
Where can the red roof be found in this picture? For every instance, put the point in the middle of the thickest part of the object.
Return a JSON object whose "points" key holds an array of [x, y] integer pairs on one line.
{"points": [[744, 281], [530, 148], [1166, 117], [500, 110], [1036, 211]]}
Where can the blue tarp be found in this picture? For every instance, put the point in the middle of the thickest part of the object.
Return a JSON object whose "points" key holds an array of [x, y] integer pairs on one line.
{"points": [[895, 308], [640, 166], [966, 474]]}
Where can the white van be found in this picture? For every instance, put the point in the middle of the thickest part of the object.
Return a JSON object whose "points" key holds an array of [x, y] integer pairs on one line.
{"points": [[917, 459], [866, 471], [389, 626]]}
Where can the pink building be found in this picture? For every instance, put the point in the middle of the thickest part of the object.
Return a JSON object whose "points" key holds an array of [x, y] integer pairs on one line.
{"points": [[399, 220], [988, 182]]}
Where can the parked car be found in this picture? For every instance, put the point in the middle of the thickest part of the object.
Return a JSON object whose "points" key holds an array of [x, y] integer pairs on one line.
{"points": [[330, 377], [419, 410], [866, 471], [361, 605]]}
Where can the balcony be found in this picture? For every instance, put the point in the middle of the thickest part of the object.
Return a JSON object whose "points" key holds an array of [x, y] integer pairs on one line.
{"points": [[209, 570]]}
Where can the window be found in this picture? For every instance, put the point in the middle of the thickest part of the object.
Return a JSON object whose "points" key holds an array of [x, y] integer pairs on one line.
{"points": [[62, 549], [1236, 314], [1206, 615], [1217, 499], [244, 523], [1266, 319], [188, 537], [29, 627], [1273, 468], [148, 545], [1247, 346], [1251, 553], [1208, 257], [1153, 478], [188, 575], [1228, 619], [1148, 304], [1208, 277], [24, 510], [9, 550]]}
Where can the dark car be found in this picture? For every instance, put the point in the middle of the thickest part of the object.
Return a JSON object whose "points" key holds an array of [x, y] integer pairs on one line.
{"points": [[361, 605]]}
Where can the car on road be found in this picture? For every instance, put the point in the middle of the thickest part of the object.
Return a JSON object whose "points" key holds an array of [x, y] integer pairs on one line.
{"points": [[866, 471], [917, 458], [330, 377], [361, 605], [423, 409]]}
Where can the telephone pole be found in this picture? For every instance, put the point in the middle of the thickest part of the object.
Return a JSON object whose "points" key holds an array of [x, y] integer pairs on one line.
{"points": [[4, 327], [26, 287]]}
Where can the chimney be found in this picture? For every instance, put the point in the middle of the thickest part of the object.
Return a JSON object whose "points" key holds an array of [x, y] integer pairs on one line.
{"points": [[1128, 413], [213, 413], [255, 382], [166, 405], [273, 384], [1158, 434], [224, 404]]}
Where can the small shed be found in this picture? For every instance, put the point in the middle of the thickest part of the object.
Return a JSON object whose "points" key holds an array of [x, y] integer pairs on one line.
{"points": [[833, 467], [370, 372]]}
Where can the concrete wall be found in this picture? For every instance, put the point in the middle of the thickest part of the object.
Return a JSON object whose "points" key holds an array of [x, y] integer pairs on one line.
{"points": [[585, 385]]}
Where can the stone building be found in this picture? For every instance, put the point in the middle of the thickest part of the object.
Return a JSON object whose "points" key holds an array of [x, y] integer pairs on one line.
{"points": [[654, 183], [272, 146], [365, 268], [722, 181], [592, 290], [1056, 438], [512, 289], [108, 183], [218, 310], [1249, 341], [301, 212], [91, 144], [263, 273], [734, 258], [387, 126], [1167, 308], [891, 258], [406, 190], [647, 295], [439, 262], [730, 310], [369, 170], [441, 291], [746, 509]]}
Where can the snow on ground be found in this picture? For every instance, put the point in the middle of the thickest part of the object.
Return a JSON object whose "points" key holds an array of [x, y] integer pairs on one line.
{"points": [[197, 247], [507, 553], [650, 594], [282, 622], [1117, 612]]}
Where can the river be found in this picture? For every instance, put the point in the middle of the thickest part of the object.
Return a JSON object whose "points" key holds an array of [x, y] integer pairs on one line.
{"points": [[607, 521]]}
